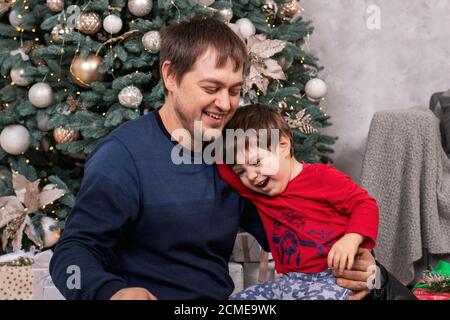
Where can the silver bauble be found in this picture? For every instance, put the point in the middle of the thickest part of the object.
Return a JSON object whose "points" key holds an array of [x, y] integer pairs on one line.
{"points": [[205, 3], [140, 8], [152, 41], [15, 139], [316, 89], [40, 95], [112, 24], [227, 14], [14, 19], [16, 74], [130, 97], [246, 27], [52, 233]]}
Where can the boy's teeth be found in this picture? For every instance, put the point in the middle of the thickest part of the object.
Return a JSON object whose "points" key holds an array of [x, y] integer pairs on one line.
{"points": [[262, 183]]}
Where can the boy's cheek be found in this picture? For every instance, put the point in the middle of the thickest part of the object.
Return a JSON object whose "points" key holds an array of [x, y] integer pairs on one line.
{"points": [[270, 167]]}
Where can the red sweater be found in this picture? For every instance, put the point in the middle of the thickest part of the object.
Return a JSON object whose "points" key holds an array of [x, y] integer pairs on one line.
{"points": [[317, 208]]}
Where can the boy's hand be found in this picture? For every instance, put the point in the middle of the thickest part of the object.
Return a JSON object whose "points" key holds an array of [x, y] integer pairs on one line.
{"points": [[342, 253]]}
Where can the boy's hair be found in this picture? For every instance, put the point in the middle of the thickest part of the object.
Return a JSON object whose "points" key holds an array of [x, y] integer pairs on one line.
{"points": [[183, 43], [257, 117]]}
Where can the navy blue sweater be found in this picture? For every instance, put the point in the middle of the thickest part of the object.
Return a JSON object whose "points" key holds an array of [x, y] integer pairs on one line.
{"points": [[141, 221]]}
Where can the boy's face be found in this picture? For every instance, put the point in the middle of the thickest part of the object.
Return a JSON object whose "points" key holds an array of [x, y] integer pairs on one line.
{"points": [[206, 93], [265, 171]]}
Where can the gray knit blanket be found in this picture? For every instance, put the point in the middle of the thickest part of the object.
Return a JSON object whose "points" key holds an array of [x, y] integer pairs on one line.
{"points": [[406, 170]]}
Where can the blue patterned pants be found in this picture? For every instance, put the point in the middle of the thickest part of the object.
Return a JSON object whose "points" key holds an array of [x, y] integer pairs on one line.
{"points": [[296, 286]]}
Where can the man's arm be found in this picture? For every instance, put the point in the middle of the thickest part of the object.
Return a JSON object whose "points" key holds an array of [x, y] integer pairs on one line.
{"points": [[108, 200], [251, 222], [366, 270]]}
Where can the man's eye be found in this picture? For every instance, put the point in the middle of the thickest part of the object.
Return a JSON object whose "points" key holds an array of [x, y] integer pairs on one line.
{"points": [[210, 90], [239, 173], [235, 93]]}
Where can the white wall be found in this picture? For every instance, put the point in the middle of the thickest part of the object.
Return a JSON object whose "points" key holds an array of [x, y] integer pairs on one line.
{"points": [[398, 66]]}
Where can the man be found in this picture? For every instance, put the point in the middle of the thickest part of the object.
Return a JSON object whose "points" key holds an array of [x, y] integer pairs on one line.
{"points": [[146, 228]]}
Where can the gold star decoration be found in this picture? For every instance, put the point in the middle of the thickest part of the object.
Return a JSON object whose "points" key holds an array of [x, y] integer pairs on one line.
{"points": [[262, 68], [15, 210]]}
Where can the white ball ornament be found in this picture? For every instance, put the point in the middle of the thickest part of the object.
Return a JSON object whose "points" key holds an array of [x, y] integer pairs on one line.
{"points": [[112, 24], [205, 3], [246, 27], [140, 8], [16, 74], [51, 237], [152, 41], [15, 139], [40, 95], [316, 89], [14, 19], [130, 97]]}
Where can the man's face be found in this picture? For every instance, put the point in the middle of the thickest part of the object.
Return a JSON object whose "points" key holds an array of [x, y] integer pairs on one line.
{"points": [[208, 94]]}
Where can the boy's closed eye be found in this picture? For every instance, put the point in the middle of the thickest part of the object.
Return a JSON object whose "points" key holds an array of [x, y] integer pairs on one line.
{"points": [[238, 171]]}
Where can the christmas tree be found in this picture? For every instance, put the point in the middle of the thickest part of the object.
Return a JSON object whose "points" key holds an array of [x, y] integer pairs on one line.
{"points": [[73, 71]]}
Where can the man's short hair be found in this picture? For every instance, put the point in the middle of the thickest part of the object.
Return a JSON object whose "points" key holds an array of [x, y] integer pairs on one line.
{"points": [[183, 43], [258, 117]]}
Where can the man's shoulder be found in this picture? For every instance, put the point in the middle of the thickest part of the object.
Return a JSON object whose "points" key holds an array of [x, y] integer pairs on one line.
{"points": [[136, 128], [125, 140]]}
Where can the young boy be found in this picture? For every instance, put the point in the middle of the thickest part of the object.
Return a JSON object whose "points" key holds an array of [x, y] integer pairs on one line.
{"points": [[315, 217]]}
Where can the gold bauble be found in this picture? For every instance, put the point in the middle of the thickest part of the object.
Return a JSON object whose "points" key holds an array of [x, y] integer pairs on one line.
{"points": [[89, 22], [290, 9], [84, 71], [65, 135]]}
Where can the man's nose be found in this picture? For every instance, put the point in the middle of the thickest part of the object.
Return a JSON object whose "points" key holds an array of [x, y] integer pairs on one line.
{"points": [[223, 100]]}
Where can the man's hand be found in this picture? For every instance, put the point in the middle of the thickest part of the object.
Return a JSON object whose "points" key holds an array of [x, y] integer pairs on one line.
{"points": [[133, 294], [356, 279]]}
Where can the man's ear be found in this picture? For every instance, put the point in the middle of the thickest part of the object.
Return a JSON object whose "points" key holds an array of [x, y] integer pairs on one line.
{"points": [[169, 79], [285, 146]]}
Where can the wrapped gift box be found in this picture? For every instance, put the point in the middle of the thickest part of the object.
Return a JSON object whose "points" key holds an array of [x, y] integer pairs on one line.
{"points": [[246, 249], [236, 271], [25, 276], [16, 280], [424, 294]]}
